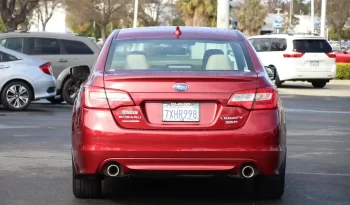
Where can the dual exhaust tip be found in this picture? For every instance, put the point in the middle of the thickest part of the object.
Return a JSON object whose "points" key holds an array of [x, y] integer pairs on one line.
{"points": [[112, 170]]}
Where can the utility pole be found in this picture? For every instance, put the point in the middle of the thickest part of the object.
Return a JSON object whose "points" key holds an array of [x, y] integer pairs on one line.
{"points": [[290, 13], [223, 14], [312, 16], [323, 17], [136, 11]]}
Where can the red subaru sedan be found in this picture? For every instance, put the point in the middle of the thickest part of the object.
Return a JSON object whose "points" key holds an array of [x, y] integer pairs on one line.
{"points": [[179, 101]]}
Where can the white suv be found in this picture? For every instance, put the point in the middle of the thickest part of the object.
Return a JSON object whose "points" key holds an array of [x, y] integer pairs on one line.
{"points": [[297, 57]]}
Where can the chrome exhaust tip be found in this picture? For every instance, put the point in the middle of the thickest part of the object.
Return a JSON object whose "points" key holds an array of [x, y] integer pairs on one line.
{"points": [[248, 172], [112, 170]]}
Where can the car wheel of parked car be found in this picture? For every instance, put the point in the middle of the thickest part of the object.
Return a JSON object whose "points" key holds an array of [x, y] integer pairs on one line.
{"points": [[271, 187], [319, 84], [16, 96], [69, 91], [278, 82], [86, 186], [55, 100]]}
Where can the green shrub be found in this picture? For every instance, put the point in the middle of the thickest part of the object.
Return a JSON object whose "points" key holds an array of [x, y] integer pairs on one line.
{"points": [[343, 71]]}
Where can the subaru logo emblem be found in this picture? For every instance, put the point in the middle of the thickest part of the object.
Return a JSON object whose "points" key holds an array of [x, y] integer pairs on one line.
{"points": [[181, 87]]}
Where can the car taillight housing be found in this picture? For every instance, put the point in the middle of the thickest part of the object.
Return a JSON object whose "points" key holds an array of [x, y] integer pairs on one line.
{"points": [[293, 55], [97, 97], [255, 99], [46, 68], [331, 55]]}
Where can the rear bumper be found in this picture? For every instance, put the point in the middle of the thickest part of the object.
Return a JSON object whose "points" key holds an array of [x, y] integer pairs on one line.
{"points": [[297, 75], [97, 140], [44, 87]]}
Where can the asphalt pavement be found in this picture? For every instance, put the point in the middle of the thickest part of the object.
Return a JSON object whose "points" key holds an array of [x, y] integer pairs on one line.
{"points": [[35, 162]]}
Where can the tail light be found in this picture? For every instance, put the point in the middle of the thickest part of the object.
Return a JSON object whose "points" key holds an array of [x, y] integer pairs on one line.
{"points": [[255, 99], [46, 68], [331, 55], [97, 97], [293, 55]]}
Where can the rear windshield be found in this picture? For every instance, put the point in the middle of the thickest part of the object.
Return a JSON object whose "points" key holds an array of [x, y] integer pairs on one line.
{"points": [[312, 46], [179, 54]]}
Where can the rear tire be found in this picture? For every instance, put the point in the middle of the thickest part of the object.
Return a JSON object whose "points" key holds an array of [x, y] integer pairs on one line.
{"points": [[319, 84], [86, 186], [16, 96], [278, 82], [68, 90], [270, 187]]}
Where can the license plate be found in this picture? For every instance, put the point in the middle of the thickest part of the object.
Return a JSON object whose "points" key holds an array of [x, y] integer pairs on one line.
{"points": [[314, 63], [180, 112]]}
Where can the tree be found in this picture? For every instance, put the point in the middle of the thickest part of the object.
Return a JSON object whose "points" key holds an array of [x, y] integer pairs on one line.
{"points": [[286, 26], [198, 12], [338, 14], [45, 10], [151, 11], [251, 15], [2, 26], [15, 12], [100, 11]]}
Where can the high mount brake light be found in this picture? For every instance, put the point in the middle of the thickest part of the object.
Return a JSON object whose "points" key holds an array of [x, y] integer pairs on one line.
{"points": [[255, 99], [178, 32], [96, 97]]}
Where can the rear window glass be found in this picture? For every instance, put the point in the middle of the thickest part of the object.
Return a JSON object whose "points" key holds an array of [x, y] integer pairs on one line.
{"points": [[312, 46], [178, 54]]}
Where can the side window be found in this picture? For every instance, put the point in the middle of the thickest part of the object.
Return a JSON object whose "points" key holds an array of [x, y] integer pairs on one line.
{"points": [[262, 44], [2, 42], [76, 47], [278, 44], [15, 44], [43, 46], [4, 57]]}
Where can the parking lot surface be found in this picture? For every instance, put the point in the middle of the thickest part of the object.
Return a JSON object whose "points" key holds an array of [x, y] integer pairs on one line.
{"points": [[35, 162]]}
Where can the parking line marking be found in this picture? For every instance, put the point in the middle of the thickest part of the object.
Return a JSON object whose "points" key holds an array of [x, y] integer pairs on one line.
{"points": [[320, 174], [317, 111]]}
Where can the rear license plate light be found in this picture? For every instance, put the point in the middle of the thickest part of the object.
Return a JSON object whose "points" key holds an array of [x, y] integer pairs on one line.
{"points": [[180, 112]]}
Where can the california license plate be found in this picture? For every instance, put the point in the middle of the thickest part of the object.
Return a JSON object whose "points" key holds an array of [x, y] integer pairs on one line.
{"points": [[314, 64], [180, 112]]}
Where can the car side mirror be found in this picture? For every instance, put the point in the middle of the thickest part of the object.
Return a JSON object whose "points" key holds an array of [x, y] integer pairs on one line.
{"points": [[80, 73], [271, 72]]}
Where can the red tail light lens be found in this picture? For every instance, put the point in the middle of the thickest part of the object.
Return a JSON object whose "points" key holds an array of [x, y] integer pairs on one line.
{"points": [[331, 55], [293, 55], [262, 98], [96, 97], [46, 68]]}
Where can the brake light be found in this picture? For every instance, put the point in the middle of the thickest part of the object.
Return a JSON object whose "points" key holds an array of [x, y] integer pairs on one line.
{"points": [[293, 55], [46, 68], [331, 54], [262, 98], [96, 97]]}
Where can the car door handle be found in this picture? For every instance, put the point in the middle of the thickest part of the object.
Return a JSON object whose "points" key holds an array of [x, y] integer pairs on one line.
{"points": [[4, 66], [62, 60]]}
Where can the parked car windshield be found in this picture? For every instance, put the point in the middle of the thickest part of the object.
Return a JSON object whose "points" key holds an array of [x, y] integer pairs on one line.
{"points": [[179, 54]]}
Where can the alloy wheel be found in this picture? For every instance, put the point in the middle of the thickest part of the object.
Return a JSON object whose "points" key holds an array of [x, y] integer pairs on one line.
{"points": [[17, 96]]}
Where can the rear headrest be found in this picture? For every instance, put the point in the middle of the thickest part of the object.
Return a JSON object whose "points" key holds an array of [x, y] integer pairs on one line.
{"points": [[219, 62], [136, 62]]}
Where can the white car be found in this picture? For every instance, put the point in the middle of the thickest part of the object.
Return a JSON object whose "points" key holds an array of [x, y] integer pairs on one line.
{"points": [[24, 79], [297, 57]]}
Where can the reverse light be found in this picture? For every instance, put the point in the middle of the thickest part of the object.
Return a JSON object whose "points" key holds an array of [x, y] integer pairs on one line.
{"points": [[293, 55], [331, 54], [46, 68], [96, 97], [255, 99]]}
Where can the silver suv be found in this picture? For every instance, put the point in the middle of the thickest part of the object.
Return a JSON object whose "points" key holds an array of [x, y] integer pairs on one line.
{"points": [[61, 49]]}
